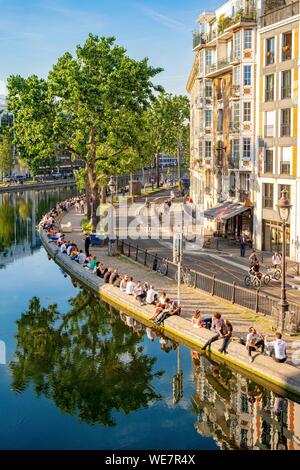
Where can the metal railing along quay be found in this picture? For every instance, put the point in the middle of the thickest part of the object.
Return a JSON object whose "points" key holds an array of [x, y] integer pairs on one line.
{"points": [[254, 300]]}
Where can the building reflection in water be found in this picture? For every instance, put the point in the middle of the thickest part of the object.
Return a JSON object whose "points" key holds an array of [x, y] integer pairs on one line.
{"points": [[240, 414]]}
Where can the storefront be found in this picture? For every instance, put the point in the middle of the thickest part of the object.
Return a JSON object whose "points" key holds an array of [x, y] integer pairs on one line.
{"points": [[232, 219], [272, 236]]}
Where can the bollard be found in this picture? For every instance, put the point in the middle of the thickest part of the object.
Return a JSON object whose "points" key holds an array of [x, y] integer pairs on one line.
{"points": [[129, 248], [196, 279], [122, 247], [137, 253], [154, 266]]}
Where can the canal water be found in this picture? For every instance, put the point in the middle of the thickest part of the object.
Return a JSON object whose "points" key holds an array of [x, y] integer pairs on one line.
{"points": [[77, 374]]}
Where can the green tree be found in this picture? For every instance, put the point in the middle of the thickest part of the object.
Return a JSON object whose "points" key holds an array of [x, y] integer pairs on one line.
{"points": [[6, 152], [92, 104], [88, 362], [168, 124]]}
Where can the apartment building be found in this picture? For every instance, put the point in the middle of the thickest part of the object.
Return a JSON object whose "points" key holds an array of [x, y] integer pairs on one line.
{"points": [[222, 89], [278, 164]]}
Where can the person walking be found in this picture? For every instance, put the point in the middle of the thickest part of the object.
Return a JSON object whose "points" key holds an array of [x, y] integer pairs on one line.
{"points": [[87, 244], [242, 246]]}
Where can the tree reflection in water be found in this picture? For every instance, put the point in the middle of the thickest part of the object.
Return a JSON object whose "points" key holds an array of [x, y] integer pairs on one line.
{"points": [[87, 361]]}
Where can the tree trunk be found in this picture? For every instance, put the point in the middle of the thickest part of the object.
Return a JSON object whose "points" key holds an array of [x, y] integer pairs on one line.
{"points": [[93, 196], [88, 202]]}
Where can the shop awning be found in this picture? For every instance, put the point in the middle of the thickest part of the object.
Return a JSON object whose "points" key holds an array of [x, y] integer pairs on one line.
{"points": [[225, 211]]}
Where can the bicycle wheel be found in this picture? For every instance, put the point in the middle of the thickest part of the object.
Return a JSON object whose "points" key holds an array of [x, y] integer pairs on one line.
{"points": [[188, 279], [277, 274], [176, 277], [247, 280], [256, 283], [267, 279]]}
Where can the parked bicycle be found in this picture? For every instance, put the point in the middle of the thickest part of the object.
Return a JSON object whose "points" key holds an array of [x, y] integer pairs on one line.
{"points": [[186, 276], [273, 272]]}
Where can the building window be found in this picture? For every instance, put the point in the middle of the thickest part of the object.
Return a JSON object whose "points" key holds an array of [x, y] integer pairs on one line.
{"points": [[246, 147], [237, 75], [268, 195], [269, 87], [287, 188], [285, 122], [247, 75], [236, 115], [208, 89], [208, 148], [270, 51], [270, 124], [286, 84], [208, 118], [247, 111], [237, 45], [286, 53], [208, 57], [235, 149], [285, 163], [248, 39], [268, 161]]}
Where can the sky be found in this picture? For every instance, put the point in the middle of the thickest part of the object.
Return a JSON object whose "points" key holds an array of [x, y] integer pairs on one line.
{"points": [[34, 33]]}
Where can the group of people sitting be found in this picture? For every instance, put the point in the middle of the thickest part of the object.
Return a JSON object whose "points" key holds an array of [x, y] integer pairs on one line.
{"points": [[49, 221], [254, 342]]}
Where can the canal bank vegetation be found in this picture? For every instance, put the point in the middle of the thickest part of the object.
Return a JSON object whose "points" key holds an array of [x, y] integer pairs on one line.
{"points": [[100, 105]]}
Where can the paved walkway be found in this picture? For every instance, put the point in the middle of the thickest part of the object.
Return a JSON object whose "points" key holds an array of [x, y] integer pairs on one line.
{"points": [[191, 299]]}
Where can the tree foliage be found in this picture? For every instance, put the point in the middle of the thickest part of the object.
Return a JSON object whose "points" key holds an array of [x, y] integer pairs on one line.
{"points": [[6, 152], [169, 123]]}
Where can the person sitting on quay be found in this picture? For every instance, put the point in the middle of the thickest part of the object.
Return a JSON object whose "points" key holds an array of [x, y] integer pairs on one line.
{"points": [[199, 322], [151, 296], [139, 293], [123, 283], [81, 258], [227, 334], [107, 275], [74, 253], [171, 309], [113, 277], [160, 307], [118, 281], [93, 263], [70, 248], [217, 325], [130, 286], [101, 270], [277, 348], [254, 342]]}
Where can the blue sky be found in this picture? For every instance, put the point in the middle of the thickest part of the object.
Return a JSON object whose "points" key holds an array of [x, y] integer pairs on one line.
{"points": [[34, 33]]}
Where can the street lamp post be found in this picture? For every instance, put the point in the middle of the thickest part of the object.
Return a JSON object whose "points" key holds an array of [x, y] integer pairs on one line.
{"points": [[284, 209], [112, 188]]}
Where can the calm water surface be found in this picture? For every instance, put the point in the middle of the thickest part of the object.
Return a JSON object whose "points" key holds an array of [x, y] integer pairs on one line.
{"points": [[81, 375]]}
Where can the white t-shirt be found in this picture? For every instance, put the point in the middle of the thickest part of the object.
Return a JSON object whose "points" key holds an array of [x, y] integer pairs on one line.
{"points": [[279, 346], [138, 291], [151, 293], [62, 248], [252, 338], [70, 248], [130, 287]]}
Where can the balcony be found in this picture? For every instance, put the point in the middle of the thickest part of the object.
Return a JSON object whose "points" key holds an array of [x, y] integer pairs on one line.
{"points": [[199, 39], [279, 14], [234, 162]]}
